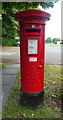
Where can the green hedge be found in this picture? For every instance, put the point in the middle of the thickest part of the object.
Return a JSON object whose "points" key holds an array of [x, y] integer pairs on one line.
{"points": [[8, 42], [61, 43]]}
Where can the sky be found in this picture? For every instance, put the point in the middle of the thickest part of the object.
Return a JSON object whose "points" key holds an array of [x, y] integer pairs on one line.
{"points": [[53, 26]]}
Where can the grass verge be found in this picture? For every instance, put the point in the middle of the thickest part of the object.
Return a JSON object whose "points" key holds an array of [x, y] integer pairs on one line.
{"points": [[51, 107], [51, 44], [2, 66]]}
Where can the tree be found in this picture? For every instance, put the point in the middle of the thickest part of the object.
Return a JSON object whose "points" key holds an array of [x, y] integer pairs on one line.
{"points": [[10, 27], [49, 40], [56, 39]]}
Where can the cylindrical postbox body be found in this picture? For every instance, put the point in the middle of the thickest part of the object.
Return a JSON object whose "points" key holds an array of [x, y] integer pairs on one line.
{"points": [[32, 32]]}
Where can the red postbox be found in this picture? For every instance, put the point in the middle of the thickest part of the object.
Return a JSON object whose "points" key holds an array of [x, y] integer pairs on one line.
{"points": [[32, 32]]}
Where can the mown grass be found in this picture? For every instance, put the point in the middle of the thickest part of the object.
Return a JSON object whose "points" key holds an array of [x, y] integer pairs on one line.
{"points": [[51, 44], [53, 78], [52, 87], [2, 66]]}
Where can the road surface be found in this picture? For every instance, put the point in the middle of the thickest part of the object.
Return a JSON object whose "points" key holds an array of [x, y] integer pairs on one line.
{"points": [[53, 55]]}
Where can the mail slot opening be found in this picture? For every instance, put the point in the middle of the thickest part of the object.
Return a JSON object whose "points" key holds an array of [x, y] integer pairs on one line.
{"points": [[33, 30]]}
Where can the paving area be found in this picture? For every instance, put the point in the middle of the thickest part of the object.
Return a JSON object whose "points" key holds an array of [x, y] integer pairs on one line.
{"points": [[8, 80]]}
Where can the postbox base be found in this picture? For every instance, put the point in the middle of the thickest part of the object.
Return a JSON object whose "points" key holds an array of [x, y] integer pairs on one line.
{"points": [[32, 100]]}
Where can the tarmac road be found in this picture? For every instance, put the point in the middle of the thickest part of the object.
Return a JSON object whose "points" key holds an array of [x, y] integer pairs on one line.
{"points": [[53, 55], [10, 55]]}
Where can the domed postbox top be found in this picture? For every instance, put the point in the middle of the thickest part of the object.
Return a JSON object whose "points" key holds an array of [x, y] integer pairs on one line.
{"points": [[32, 15]]}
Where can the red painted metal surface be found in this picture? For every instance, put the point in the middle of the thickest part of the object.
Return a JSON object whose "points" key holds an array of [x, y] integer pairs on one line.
{"points": [[32, 27]]}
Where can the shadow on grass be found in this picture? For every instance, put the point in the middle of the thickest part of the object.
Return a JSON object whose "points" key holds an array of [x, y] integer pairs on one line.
{"points": [[50, 109]]}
